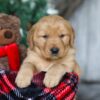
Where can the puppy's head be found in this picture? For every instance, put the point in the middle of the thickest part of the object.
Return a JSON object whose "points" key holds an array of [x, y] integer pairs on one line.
{"points": [[51, 37]]}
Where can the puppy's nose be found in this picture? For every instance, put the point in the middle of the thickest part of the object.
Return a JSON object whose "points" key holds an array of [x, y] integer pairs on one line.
{"points": [[54, 51], [8, 34]]}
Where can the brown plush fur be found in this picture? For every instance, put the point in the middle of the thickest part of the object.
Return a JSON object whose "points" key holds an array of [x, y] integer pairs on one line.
{"points": [[49, 32], [10, 24]]}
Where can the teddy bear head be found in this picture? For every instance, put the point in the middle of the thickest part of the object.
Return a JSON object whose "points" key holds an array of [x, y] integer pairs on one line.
{"points": [[9, 29]]}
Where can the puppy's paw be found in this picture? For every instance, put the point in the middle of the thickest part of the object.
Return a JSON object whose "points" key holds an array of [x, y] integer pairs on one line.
{"points": [[23, 80], [51, 81]]}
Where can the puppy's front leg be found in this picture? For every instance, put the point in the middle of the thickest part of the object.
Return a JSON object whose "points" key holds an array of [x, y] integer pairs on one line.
{"points": [[25, 75], [54, 75]]}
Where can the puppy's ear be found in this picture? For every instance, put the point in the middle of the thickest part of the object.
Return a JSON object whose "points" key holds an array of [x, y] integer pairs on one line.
{"points": [[30, 37], [72, 38]]}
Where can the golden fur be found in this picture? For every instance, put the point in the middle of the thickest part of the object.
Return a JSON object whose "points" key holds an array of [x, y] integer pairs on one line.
{"points": [[49, 32]]}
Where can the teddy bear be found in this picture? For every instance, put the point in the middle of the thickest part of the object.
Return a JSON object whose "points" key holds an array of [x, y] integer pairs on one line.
{"points": [[11, 51]]}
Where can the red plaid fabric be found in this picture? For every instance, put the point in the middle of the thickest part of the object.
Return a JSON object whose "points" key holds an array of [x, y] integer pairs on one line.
{"points": [[66, 90]]}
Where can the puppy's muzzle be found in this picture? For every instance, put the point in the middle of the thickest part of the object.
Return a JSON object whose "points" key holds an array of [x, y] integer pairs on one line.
{"points": [[54, 51]]}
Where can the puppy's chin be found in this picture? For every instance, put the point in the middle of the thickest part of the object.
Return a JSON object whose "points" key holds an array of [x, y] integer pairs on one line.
{"points": [[53, 57]]}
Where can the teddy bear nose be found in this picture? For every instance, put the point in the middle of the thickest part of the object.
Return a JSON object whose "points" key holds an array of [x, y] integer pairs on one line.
{"points": [[8, 34], [54, 51]]}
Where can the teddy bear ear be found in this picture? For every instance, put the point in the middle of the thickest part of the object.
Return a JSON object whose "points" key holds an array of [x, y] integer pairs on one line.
{"points": [[15, 23], [2, 14], [15, 20]]}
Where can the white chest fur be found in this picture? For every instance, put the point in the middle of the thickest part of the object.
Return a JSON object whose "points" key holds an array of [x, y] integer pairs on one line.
{"points": [[44, 65]]}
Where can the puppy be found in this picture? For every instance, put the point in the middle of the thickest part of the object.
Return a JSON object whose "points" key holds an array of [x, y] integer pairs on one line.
{"points": [[51, 49]]}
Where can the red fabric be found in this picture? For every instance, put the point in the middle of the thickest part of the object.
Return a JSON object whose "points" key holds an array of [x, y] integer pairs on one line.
{"points": [[12, 52], [65, 90]]}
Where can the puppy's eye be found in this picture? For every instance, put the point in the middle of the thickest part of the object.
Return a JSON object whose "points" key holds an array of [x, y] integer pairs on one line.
{"points": [[45, 36], [62, 35]]}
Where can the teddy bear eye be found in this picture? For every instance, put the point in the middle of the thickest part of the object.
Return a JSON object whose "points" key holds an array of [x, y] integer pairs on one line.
{"points": [[62, 36], [45, 36]]}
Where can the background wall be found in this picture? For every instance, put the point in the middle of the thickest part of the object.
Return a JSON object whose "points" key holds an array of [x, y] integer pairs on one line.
{"points": [[86, 22]]}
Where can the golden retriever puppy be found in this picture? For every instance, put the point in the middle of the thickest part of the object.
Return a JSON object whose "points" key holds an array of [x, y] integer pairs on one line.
{"points": [[51, 49]]}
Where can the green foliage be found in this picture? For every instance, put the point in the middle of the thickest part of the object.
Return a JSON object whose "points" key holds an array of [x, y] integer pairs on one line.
{"points": [[29, 11]]}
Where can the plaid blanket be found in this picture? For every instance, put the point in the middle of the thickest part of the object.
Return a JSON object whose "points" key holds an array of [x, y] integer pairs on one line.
{"points": [[66, 90]]}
